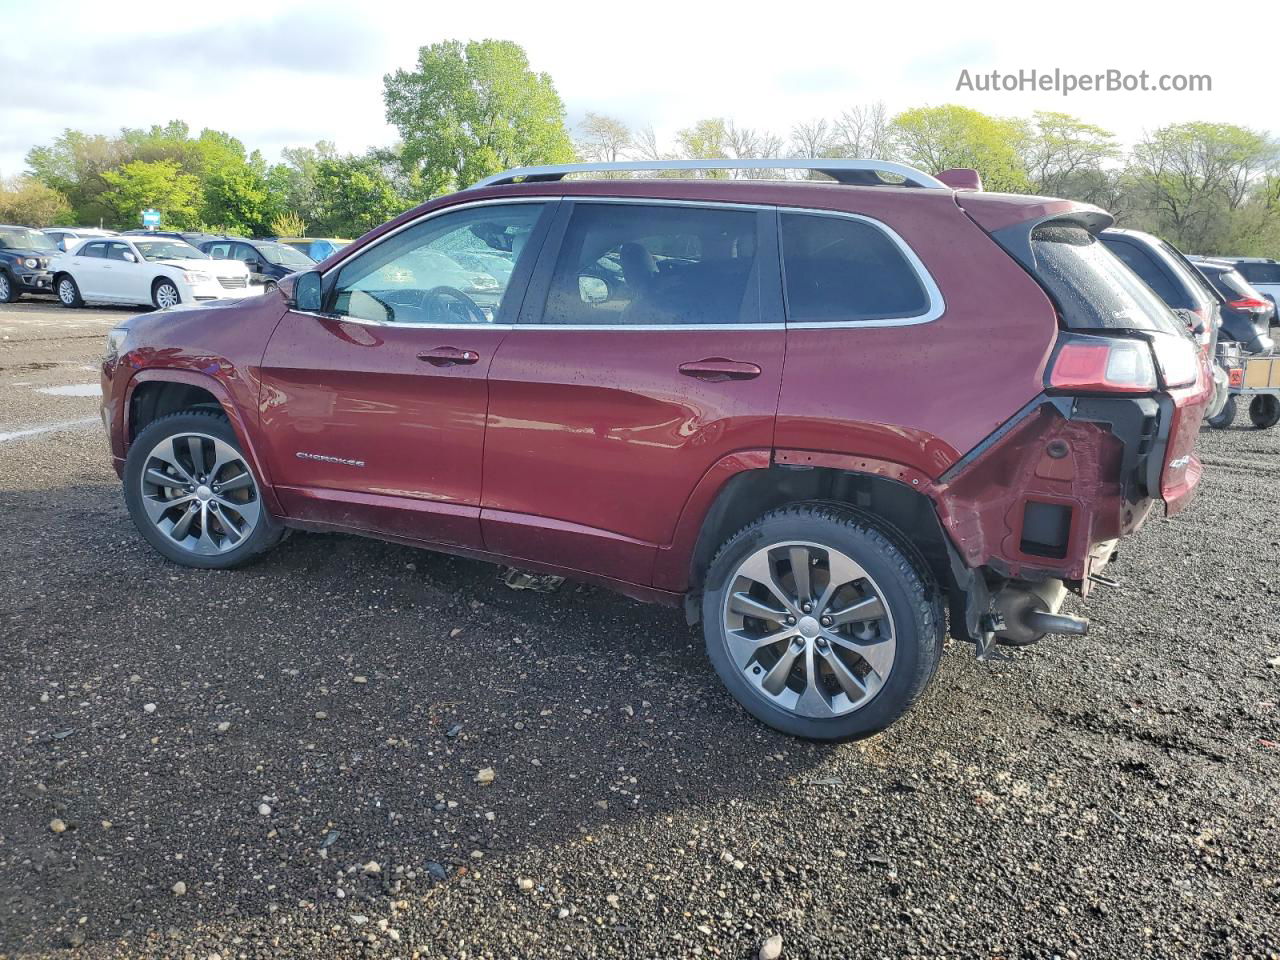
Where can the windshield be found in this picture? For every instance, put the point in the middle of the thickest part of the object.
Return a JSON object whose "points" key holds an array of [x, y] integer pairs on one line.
{"points": [[1093, 287], [20, 238], [168, 250], [283, 255]]}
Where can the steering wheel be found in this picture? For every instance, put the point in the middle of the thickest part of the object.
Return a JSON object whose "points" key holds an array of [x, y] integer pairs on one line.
{"points": [[474, 313]]}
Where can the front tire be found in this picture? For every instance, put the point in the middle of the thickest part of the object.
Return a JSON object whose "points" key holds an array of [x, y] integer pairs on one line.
{"points": [[821, 623], [1264, 411], [1226, 416], [165, 294], [69, 292], [193, 496], [8, 289]]}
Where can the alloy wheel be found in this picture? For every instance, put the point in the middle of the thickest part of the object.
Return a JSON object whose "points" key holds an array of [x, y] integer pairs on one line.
{"points": [[166, 296], [67, 291], [809, 629], [4, 289], [200, 494]]}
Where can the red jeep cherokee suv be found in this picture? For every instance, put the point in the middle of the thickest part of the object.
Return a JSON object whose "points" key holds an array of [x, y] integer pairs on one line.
{"points": [[817, 414]]}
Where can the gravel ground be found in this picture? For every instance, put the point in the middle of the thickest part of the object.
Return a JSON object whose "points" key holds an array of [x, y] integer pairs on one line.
{"points": [[290, 760]]}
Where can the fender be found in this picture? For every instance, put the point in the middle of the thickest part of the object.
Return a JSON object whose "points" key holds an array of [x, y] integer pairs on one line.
{"points": [[219, 391]]}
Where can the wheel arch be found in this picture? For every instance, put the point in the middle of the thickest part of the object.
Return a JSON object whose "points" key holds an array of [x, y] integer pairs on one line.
{"points": [[155, 393], [895, 504]]}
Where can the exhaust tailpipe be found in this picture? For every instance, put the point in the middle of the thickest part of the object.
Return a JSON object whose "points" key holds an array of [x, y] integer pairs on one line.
{"points": [[1030, 610]]}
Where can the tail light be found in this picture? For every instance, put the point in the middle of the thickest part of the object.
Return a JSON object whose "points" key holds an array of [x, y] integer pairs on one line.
{"points": [[1248, 303], [1103, 364], [1178, 360]]}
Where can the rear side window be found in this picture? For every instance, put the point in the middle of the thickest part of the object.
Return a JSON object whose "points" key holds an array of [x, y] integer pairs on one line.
{"points": [[839, 269], [1142, 263], [655, 265], [1260, 272], [1092, 287]]}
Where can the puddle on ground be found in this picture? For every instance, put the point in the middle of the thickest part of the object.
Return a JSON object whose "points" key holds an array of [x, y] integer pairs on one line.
{"points": [[73, 390]]}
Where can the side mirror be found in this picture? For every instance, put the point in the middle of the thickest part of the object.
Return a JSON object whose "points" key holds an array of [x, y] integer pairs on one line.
{"points": [[130, 257], [306, 292]]}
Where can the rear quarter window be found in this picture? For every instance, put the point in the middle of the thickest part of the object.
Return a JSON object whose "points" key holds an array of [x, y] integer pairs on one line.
{"points": [[1093, 289], [839, 269]]}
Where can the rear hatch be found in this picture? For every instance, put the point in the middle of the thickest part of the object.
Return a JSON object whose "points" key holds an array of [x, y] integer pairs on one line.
{"points": [[1117, 337]]}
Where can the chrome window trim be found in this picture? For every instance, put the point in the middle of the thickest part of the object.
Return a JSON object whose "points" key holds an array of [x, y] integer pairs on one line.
{"points": [[937, 304]]}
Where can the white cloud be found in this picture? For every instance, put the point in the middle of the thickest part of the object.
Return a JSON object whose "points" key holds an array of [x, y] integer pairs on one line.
{"points": [[314, 71]]}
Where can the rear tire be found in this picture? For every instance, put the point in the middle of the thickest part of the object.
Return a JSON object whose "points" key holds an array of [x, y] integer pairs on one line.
{"points": [[858, 657], [1264, 411], [193, 496], [1226, 416], [68, 291]]}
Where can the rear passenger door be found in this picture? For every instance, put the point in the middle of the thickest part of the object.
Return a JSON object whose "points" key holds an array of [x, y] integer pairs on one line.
{"points": [[650, 347]]}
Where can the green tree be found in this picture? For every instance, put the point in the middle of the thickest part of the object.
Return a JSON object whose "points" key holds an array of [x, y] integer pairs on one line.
{"points": [[356, 196], [73, 165], [157, 184], [1066, 157], [937, 138], [471, 110], [27, 201], [1196, 176]]}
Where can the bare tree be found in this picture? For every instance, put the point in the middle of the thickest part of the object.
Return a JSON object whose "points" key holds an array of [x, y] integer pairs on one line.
{"points": [[603, 139], [864, 132], [811, 139], [645, 144]]}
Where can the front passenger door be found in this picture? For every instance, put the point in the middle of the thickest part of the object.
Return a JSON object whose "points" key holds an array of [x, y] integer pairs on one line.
{"points": [[374, 409], [87, 269]]}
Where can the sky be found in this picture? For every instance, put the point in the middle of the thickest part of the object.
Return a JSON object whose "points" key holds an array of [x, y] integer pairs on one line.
{"points": [[291, 73]]}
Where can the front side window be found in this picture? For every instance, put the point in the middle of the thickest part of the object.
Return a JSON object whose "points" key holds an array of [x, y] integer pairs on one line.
{"points": [[97, 250], [639, 264], [117, 251], [450, 269], [839, 270]]}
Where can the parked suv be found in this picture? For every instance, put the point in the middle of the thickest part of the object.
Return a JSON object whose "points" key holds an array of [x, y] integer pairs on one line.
{"points": [[1263, 274], [1246, 313], [24, 262], [820, 416], [268, 262]]}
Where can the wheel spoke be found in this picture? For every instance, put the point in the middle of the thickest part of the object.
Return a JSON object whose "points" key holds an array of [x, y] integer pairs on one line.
{"points": [[813, 701], [878, 654], [748, 606], [799, 557], [868, 608], [157, 508], [849, 681], [222, 456], [162, 479], [841, 572], [239, 482], [776, 678], [760, 569], [183, 526], [195, 447], [168, 452], [247, 511], [207, 544], [744, 647]]}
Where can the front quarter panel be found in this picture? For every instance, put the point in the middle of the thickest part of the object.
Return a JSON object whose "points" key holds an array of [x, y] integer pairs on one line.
{"points": [[218, 347]]}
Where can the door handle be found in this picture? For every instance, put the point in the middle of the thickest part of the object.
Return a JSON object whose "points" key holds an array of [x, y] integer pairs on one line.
{"points": [[718, 369], [449, 357]]}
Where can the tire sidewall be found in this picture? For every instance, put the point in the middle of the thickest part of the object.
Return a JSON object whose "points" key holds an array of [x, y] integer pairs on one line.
{"points": [[916, 654], [1226, 416], [265, 534], [10, 291], [1264, 411]]}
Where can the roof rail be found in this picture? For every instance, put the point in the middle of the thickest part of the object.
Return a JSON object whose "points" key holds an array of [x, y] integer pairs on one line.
{"points": [[846, 171]]}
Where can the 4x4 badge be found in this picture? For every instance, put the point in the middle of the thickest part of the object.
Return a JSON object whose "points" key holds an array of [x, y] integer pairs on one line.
{"points": [[303, 455], [1180, 462]]}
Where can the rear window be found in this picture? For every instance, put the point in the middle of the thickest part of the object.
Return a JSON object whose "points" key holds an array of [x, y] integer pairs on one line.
{"points": [[839, 269], [1093, 289], [1260, 272]]}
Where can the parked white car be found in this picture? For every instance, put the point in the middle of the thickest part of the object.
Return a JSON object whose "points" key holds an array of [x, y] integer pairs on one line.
{"points": [[66, 238], [139, 270]]}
